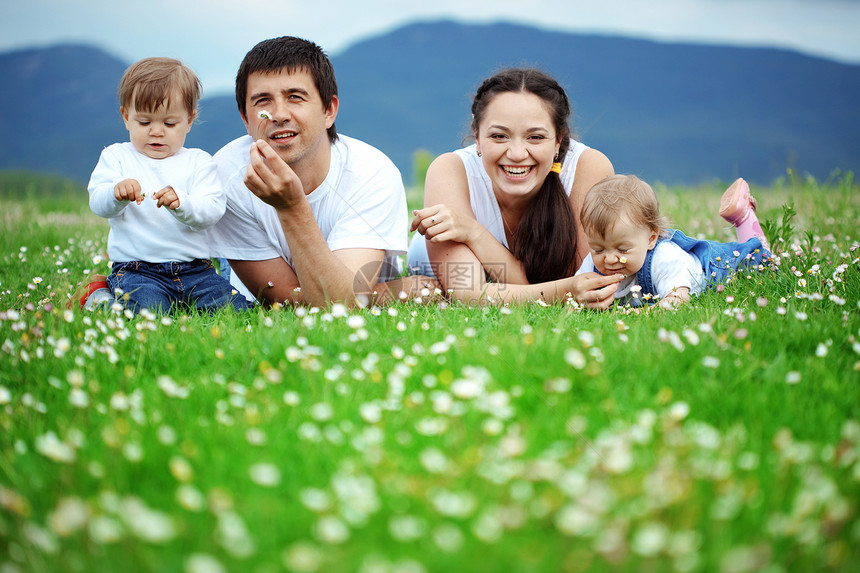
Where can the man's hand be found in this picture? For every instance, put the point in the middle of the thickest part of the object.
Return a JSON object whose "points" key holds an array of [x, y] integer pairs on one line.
{"points": [[271, 179]]}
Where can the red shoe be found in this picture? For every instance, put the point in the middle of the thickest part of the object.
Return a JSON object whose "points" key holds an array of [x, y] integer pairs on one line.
{"points": [[86, 289]]}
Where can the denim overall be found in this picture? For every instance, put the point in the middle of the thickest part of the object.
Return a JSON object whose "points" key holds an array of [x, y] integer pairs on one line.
{"points": [[718, 259]]}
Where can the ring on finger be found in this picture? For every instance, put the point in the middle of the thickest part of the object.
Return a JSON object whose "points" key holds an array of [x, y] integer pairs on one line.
{"points": [[433, 221]]}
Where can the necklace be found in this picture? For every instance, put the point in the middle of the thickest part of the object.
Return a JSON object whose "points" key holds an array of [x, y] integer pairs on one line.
{"points": [[512, 234]]}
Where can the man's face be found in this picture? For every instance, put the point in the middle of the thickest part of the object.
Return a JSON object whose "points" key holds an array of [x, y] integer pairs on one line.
{"points": [[298, 124]]}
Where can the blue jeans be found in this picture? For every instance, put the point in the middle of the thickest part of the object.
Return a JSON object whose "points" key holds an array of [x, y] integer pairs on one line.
{"points": [[417, 259], [162, 286], [224, 268]]}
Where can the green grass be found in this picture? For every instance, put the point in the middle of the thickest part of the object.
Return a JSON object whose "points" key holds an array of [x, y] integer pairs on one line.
{"points": [[436, 437]]}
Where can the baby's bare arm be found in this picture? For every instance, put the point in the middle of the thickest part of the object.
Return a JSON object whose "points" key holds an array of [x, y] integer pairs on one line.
{"points": [[676, 298]]}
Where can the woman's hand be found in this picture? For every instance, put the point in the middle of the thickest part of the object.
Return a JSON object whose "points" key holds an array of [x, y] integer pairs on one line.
{"points": [[439, 223], [595, 291]]}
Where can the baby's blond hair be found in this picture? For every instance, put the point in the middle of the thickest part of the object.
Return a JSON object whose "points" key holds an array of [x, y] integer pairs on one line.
{"points": [[621, 197], [151, 82]]}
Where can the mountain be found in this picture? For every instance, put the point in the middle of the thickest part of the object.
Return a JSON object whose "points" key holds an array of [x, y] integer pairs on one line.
{"points": [[671, 112], [58, 108], [680, 114]]}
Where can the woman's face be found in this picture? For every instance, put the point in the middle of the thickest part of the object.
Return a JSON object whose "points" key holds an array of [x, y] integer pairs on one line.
{"points": [[517, 142]]}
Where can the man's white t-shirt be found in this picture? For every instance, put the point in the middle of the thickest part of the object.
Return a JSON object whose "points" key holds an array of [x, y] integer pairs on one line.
{"points": [[360, 205], [672, 267]]}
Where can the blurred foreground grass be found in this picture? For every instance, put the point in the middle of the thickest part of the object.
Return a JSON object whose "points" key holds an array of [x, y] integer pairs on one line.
{"points": [[437, 437]]}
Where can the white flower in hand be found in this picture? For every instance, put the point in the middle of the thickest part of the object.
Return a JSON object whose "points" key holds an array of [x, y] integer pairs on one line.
{"points": [[266, 117]]}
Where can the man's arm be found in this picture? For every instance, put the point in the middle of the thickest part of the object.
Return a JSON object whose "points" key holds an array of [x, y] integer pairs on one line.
{"points": [[274, 281], [270, 281], [324, 276]]}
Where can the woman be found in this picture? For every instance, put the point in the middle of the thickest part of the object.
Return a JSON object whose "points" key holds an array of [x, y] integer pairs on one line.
{"points": [[507, 208]]}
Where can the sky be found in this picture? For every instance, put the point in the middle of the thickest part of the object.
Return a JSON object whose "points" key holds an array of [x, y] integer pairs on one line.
{"points": [[212, 36]]}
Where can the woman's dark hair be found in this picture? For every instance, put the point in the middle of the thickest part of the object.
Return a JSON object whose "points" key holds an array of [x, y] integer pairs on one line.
{"points": [[546, 237], [288, 54]]}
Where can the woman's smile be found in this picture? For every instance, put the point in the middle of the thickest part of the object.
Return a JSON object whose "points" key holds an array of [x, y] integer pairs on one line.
{"points": [[517, 141], [517, 171]]}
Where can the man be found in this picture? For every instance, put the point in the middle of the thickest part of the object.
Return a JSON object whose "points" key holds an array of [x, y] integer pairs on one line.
{"points": [[312, 217]]}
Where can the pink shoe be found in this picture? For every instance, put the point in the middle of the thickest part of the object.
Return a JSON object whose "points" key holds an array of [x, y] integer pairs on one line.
{"points": [[736, 202], [738, 207]]}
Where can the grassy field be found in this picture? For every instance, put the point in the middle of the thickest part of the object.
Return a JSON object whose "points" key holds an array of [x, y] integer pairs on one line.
{"points": [[724, 436]]}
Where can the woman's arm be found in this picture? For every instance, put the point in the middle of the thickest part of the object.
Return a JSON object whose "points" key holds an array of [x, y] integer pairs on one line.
{"points": [[591, 168], [448, 217], [461, 271]]}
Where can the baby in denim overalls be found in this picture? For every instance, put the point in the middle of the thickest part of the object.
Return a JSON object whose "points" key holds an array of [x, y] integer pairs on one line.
{"points": [[628, 236]]}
